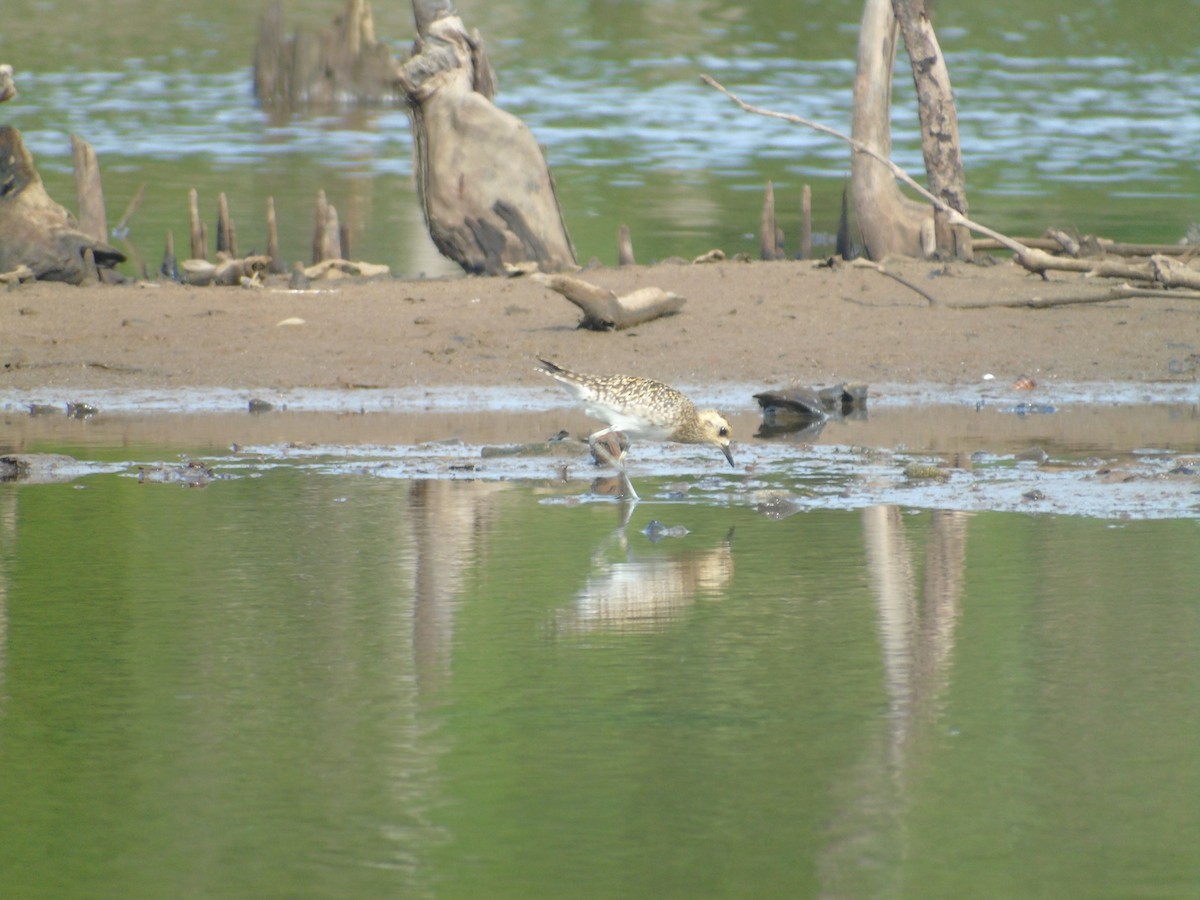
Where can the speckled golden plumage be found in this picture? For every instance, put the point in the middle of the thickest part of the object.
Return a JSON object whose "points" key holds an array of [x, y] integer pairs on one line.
{"points": [[643, 408]]}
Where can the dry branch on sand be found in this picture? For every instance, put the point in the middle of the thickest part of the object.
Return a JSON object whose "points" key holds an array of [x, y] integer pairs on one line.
{"points": [[605, 311]]}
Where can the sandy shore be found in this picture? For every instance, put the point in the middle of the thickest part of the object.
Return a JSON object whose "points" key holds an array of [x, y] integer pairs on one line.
{"points": [[756, 323]]}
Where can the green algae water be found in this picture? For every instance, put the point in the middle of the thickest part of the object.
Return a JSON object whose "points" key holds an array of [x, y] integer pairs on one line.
{"points": [[339, 685]]}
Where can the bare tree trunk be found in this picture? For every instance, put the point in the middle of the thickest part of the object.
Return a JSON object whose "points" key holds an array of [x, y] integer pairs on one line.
{"points": [[888, 221], [939, 124]]}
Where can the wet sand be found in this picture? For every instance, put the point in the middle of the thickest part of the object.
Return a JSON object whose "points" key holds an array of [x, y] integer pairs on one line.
{"points": [[747, 323]]}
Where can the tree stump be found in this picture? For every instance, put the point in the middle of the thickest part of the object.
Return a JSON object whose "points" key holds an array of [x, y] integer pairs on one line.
{"points": [[486, 192], [37, 232], [888, 221], [341, 64]]}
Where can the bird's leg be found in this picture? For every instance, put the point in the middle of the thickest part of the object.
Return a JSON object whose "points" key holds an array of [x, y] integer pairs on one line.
{"points": [[601, 452], [630, 494]]}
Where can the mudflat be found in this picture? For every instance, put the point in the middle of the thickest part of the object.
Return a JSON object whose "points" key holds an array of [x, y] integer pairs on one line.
{"points": [[766, 323]]}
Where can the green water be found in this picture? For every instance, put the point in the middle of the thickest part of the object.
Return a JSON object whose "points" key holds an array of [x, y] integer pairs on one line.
{"points": [[334, 686], [1073, 115]]}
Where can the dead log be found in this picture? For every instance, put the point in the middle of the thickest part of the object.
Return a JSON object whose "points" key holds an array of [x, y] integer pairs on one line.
{"points": [[1126, 249], [1174, 273], [605, 311], [486, 192], [1117, 292], [1106, 245], [1034, 243], [1066, 243], [37, 232], [338, 268], [226, 273], [16, 276]]}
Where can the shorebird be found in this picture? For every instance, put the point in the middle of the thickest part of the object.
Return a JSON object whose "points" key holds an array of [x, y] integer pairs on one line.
{"points": [[641, 408]]}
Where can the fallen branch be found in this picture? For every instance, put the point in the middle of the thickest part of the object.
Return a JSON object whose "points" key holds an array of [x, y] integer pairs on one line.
{"points": [[878, 267], [1121, 292], [605, 311], [1123, 249], [227, 272]]}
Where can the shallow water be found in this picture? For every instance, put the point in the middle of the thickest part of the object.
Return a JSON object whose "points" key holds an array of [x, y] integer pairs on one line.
{"points": [[315, 680], [1072, 115]]}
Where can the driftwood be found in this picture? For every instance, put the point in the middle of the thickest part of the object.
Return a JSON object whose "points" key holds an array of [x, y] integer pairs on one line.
{"points": [[714, 255], [486, 192], [17, 275], [343, 63], [883, 270], [37, 232], [605, 311], [1117, 292], [226, 272], [340, 268], [1105, 246]]}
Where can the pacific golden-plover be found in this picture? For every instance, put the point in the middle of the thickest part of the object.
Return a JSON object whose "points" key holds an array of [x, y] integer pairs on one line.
{"points": [[641, 408]]}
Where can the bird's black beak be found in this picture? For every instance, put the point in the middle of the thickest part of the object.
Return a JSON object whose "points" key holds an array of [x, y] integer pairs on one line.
{"points": [[728, 454]]}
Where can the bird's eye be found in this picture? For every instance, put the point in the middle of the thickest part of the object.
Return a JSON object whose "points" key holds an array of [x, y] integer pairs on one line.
{"points": [[723, 431]]}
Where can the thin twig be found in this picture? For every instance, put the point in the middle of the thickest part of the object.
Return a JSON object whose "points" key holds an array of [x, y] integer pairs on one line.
{"points": [[1024, 254], [932, 300]]}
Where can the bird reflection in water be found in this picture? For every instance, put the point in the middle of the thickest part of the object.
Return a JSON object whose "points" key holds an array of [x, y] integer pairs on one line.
{"points": [[645, 594]]}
